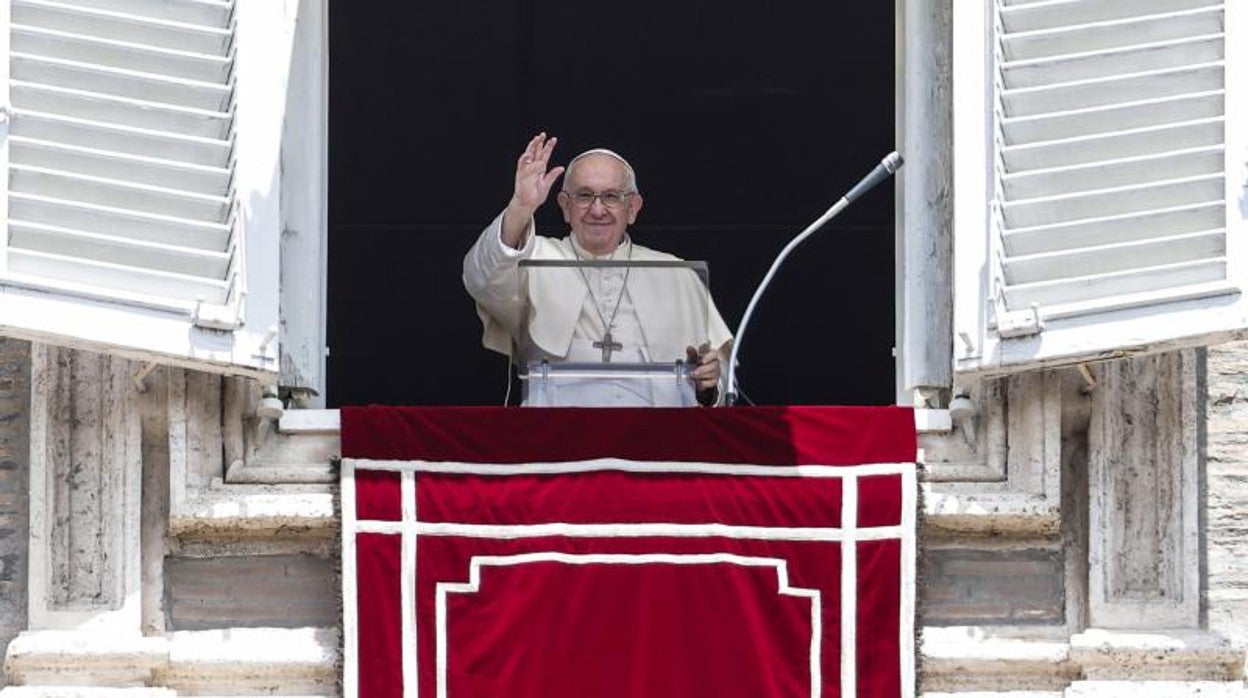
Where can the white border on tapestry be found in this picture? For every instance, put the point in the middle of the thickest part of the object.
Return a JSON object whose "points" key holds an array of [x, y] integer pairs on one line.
{"points": [[619, 530], [350, 596], [476, 563], [631, 466], [407, 593], [849, 586], [849, 534], [909, 581]]}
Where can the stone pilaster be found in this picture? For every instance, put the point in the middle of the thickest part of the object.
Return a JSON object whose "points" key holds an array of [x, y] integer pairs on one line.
{"points": [[85, 557], [14, 460], [1144, 566]]}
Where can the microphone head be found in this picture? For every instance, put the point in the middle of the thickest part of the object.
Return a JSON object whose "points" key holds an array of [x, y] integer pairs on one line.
{"points": [[892, 162]]}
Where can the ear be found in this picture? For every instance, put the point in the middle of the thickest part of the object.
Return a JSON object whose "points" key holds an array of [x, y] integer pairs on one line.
{"points": [[565, 205], [634, 207]]}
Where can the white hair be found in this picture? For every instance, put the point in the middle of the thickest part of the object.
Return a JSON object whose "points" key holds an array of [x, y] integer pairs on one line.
{"points": [[630, 177]]}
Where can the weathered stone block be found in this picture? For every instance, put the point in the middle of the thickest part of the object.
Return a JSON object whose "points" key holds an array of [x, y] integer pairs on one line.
{"points": [[964, 586], [280, 591]]}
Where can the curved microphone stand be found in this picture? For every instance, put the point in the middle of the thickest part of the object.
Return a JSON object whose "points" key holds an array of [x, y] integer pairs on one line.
{"points": [[889, 165]]}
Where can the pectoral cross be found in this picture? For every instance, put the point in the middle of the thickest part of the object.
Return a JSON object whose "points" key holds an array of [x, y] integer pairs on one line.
{"points": [[607, 345]]}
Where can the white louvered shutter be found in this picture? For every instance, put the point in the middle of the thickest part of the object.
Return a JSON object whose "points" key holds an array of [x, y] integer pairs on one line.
{"points": [[128, 222], [1099, 176]]}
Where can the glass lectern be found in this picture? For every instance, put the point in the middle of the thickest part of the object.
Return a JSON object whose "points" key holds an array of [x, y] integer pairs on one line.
{"points": [[612, 333]]}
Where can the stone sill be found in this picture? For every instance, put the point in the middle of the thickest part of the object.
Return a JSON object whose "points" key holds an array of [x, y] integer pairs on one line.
{"points": [[961, 659], [233, 661], [328, 422], [257, 509]]}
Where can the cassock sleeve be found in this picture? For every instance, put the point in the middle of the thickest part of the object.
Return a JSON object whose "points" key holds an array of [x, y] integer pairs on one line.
{"points": [[492, 277]]}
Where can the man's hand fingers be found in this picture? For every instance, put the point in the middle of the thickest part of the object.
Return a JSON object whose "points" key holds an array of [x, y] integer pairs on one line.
{"points": [[530, 150], [550, 177], [547, 149], [538, 150]]}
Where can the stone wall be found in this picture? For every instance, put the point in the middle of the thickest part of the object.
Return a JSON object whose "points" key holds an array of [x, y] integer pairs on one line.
{"points": [[14, 466], [1225, 491]]}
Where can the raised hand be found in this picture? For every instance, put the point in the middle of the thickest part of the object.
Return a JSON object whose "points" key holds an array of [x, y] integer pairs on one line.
{"points": [[533, 183]]}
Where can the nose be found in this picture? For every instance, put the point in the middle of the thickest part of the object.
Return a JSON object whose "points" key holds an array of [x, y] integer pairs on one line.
{"points": [[597, 207]]}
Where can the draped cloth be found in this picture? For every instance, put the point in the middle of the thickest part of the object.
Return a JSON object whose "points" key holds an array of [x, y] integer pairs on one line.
{"points": [[622, 553]]}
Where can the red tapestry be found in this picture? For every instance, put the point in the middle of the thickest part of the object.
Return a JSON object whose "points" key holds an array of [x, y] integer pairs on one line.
{"points": [[622, 553]]}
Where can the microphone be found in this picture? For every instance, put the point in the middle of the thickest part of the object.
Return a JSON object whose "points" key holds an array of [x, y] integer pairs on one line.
{"points": [[887, 167]]}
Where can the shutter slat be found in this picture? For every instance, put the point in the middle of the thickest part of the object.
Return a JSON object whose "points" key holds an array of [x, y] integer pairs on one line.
{"points": [[1137, 225], [1116, 173], [118, 250], [1111, 202], [120, 111], [142, 142], [1112, 34], [1104, 259], [1115, 145], [211, 13], [128, 27], [114, 165], [1116, 117], [1084, 288], [1112, 63], [121, 222], [137, 85], [1051, 14], [94, 275], [1084, 94], [119, 54], [136, 197]]}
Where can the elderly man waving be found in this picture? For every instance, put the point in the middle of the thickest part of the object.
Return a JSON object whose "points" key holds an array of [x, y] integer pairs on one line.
{"points": [[626, 314]]}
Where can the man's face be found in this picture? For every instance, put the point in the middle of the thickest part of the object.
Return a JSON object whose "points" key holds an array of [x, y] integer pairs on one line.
{"points": [[598, 227]]}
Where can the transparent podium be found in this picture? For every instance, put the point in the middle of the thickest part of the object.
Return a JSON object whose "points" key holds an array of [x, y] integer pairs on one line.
{"points": [[630, 321]]}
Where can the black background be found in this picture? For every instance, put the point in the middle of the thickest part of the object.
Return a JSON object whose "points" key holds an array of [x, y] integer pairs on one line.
{"points": [[744, 122]]}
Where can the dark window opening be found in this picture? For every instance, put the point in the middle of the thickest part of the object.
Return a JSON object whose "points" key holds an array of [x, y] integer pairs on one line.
{"points": [[743, 126]]}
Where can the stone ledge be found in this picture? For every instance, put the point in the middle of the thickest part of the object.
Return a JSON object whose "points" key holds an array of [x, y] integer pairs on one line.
{"points": [[995, 694], [72, 657], [323, 421], [310, 421], [1117, 689], [1190, 655], [241, 509], [84, 692], [233, 661], [264, 661], [967, 659], [987, 513], [1156, 689]]}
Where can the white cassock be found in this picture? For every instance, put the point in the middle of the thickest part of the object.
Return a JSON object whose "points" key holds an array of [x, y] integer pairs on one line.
{"points": [[552, 314]]}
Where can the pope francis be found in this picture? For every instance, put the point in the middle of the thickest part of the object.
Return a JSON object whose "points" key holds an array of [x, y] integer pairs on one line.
{"points": [[624, 313]]}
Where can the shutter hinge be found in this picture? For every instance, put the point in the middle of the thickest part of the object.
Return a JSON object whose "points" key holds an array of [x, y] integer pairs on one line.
{"points": [[1021, 323], [215, 317]]}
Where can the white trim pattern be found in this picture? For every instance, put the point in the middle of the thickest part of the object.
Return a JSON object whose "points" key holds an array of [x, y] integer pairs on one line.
{"points": [[631, 466], [782, 574], [350, 591], [410, 528]]}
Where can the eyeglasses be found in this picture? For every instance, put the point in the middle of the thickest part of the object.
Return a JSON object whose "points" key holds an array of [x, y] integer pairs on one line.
{"points": [[610, 199]]}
